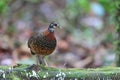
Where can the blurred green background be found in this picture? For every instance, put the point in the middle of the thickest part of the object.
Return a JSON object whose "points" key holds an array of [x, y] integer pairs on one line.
{"points": [[86, 40]]}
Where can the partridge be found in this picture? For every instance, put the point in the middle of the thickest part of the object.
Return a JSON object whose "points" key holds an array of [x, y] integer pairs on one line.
{"points": [[43, 43]]}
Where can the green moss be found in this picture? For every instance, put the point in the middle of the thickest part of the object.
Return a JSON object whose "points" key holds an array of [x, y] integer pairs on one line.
{"points": [[21, 72]]}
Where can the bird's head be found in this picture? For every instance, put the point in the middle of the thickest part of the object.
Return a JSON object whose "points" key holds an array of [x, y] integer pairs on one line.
{"points": [[52, 26]]}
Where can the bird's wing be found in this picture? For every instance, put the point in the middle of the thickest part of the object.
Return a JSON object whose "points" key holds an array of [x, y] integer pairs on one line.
{"points": [[31, 39], [29, 42]]}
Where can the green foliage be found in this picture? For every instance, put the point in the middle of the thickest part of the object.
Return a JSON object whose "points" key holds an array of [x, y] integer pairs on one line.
{"points": [[3, 6], [117, 28], [107, 4], [109, 37], [11, 29], [84, 4], [76, 7]]}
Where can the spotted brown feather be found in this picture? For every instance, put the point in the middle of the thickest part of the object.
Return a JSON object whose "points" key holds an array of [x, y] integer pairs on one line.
{"points": [[40, 44]]}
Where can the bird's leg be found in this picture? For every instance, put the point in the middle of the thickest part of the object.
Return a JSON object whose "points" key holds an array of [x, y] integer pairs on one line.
{"points": [[41, 60], [45, 62], [38, 62]]}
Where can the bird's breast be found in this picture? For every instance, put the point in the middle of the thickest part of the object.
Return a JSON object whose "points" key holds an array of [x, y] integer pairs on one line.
{"points": [[43, 44]]}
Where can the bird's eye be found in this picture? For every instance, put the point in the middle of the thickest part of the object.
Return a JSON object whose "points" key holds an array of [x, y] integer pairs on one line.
{"points": [[55, 24]]}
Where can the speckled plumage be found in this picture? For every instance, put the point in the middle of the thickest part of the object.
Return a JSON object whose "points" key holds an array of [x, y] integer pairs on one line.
{"points": [[42, 43]]}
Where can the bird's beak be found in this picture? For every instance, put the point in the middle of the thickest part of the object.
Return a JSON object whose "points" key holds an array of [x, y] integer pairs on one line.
{"points": [[60, 27]]}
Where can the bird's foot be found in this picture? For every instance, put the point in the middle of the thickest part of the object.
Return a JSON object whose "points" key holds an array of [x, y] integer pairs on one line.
{"points": [[34, 67], [17, 65]]}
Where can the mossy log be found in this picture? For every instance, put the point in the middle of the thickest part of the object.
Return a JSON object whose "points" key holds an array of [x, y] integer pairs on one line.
{"points": [[48, 73]]}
